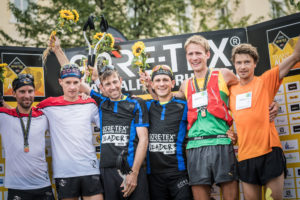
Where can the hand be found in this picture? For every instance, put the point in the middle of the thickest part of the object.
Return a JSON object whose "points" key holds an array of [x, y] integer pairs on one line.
{"points": [[130, 185], [233, 136], [54, 43], [273, 110], [145, 78], [84, 96], [94, 70]]}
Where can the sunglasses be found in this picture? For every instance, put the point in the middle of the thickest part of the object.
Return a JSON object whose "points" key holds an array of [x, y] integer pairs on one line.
{"points": [[106, 68], [164, 67], [25, 76]]}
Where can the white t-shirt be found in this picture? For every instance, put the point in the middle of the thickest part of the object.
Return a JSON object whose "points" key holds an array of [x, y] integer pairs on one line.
{"points": [[24, 170], [73, 152]]}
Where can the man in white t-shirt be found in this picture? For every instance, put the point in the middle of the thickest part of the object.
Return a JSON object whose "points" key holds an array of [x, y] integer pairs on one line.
{"points": [[75, 165], [23, 138]]}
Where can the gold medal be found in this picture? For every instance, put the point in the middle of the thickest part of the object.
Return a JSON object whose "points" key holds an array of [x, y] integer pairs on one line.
{"points": [[203, 113], [26, 149]]}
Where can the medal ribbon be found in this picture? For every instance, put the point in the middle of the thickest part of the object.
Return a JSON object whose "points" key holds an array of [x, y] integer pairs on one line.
{"points": [[202, 109], [25, 129]]}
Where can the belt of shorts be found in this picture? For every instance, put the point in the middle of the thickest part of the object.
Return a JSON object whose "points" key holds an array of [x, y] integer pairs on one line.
{"points": [[207, 137]]}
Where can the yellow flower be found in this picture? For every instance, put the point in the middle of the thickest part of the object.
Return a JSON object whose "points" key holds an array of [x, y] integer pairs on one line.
{"points": [[138, 63], [76, 16], [112, 40], [3, 64], [137, 48], [98, 36], [66, 14]]}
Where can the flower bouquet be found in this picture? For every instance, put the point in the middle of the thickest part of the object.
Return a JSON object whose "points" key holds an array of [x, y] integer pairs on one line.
{"points": [[140, 58], [65, 20]]}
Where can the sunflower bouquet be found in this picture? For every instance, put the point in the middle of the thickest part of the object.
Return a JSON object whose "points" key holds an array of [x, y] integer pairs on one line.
{"points": [[107, 43], [2, 69], [66, 19], [140, 58]]}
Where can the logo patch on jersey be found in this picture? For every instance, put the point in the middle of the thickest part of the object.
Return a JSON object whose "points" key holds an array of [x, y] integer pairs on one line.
{"points": [[182, 183], [62, 182], [116, 139], [17, 198], [165, 148], [93, 163]]}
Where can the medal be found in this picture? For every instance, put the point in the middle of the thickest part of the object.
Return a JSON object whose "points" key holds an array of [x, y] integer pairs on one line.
{"points": [[203, 113], [25, 129], [26, 149]]}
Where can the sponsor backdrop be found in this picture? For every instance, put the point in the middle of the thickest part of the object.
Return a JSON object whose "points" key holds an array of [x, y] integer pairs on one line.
{"points": [[275, 40]]}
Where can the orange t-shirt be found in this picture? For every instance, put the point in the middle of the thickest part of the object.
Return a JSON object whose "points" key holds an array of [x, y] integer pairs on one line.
{"points": [[256, 134]]}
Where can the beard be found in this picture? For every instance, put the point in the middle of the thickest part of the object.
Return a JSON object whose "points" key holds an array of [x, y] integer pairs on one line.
{"points": [[26, 105]]}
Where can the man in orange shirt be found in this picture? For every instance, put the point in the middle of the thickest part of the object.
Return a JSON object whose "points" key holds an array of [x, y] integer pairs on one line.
{"points": [[260, 155]]}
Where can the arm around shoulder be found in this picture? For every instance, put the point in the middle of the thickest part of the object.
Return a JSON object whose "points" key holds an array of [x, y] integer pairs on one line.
{"points": [[229, 77]]}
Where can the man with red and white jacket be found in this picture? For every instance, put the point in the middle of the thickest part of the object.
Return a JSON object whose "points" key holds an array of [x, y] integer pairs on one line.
{"points": [[23, 138], [75, 165]]}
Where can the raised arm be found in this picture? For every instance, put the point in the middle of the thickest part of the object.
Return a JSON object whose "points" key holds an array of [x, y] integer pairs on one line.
{"points": [[54, 44], [145, 77], [290, 61], [180, 93]]}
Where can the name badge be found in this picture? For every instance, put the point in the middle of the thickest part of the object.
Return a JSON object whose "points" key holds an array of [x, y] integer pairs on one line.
{"points": [[243, 101], [199, 99]]}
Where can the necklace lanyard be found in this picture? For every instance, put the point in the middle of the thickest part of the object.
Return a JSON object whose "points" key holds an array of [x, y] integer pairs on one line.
{"points": [[203, 108], [205, 82], [25, 129]]}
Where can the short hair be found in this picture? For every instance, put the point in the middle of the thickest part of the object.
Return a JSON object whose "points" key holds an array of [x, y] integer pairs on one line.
{"points": [[197, 39], [245, 49], [108, 73]]}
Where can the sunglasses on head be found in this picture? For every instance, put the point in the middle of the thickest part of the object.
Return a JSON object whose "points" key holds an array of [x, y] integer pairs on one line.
{"points": [[164, 67], [106, 68], [25, 76]]}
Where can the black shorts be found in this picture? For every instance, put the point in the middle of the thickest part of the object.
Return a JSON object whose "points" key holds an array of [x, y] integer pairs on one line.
{"points": [[36, 194], [173, 185], [112, 181], [212, 164], [262, 169], [80, 186]]}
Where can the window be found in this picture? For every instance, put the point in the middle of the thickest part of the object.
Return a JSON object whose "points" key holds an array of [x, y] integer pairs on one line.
{"points": [[20, 4]]}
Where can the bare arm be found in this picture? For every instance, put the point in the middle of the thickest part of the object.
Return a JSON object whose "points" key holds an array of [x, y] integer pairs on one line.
{"points": [[229, 77], [145, 77], [85, 88], [290, 61], [57, 50], [140, 154], [181, 93]]}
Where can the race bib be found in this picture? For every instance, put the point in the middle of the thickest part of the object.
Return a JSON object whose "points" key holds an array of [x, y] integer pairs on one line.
{"points": [[243, 101], [199, 99]]}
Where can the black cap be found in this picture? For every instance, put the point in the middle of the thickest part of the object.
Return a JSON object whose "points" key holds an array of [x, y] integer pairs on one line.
{"points": [[23, 80]]}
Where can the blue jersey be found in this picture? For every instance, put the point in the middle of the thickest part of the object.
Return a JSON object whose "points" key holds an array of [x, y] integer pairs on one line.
{"points": [[167, 131], [118, 122]]}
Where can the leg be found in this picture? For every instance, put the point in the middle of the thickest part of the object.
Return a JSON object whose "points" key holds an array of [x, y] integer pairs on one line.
{"points": [[199, 171], [230, 190], [201, 192], [276, 186], [94, 197], [251, 191]]}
